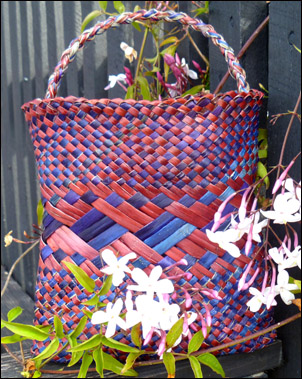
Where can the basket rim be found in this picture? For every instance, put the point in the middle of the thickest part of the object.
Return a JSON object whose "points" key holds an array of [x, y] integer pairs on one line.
{"points": [[254, 93]]}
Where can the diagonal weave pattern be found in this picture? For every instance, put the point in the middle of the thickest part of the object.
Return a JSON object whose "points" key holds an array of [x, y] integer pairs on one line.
{"points": [[146, 177]]}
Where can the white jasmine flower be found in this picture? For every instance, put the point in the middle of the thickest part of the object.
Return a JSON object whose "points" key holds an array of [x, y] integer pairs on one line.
{"points": [[285, 258], [8, 239], [256, 301], [116, 268], [260, 298], [284, 287], [133, 317], [113, 79], [285, 209], [168, 314], [190, 73], [130, 53], [224, 240], [294, 190], [151, 284], [149, 313], [111, 315], [294, 258]]}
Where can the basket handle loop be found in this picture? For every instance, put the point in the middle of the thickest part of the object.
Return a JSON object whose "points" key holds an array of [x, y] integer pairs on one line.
{"points": [[235, 69]]}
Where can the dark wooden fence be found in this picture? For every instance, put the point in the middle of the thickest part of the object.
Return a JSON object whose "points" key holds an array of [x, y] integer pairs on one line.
{"points": [[33, 36]]}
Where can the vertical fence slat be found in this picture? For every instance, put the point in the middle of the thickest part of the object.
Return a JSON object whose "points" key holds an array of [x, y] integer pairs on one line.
{"points": [[284, 85], [236, 21], [8, 138]]}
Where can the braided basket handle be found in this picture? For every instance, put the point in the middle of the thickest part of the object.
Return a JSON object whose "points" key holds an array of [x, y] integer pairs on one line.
{"points": [[236, 71]]}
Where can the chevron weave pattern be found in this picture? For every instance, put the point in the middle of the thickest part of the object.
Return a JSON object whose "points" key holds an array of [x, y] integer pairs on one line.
{"points": [[146, 177]]}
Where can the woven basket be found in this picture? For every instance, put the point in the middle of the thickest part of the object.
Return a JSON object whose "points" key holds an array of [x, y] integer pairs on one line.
{"points": [[148, 177]]}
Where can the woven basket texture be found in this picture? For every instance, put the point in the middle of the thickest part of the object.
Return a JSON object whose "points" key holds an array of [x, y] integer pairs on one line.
{"points": [[146, 177]]}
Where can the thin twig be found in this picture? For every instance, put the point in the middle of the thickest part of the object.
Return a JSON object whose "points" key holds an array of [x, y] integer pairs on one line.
{"points": [[15, 264], [210, 350], [242, 51], [203, 57], [12, 354]]}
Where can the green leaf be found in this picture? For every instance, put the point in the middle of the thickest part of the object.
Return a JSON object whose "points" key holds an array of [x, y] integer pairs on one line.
{"points": [[75, 356], [130, 92], [130, 361], [196, 367], [172, 39], [58, 327], [194, 90], [202, 10], [86, 362], [40, 211], [262, 172], [91, 16], [262, 153], [45, 328], [262, 134], [37, 374], [99, 361], [115, 366], [175, 332], [78, 330], [297, 283], [94, 301], [211, 361], [103, 5], [28, 331], [14, 313], [144, 86], [87, 313], [49, 350], [136, 26], [110, 342], [136, 8], [106, 286], [195, 342], [263, 88], [136, 335], [119, 6], [89, 344], [151, 60], [81, 276], [169, 362], [12, 339]]}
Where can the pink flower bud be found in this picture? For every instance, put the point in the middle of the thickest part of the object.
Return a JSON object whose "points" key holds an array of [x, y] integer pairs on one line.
{"points": [[188, 275], [251, 281], [174, 296], [129, 77], [177, 60], [203, 327], [208, 315], [220, 220], [279, 181], [242, 208], [197, 66], [162, 344], [149, 336], [249, 244], [188, 302], [296, 239], [185, 324], [169, 59]]}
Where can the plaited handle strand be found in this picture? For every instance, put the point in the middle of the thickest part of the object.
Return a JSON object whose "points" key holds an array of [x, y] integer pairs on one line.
{"points": [[235, 69]]}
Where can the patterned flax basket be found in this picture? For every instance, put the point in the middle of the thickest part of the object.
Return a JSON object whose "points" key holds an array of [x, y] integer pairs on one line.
{"points": [[148, 177]]}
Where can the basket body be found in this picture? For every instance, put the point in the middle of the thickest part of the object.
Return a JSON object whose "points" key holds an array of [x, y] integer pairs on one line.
{"points": [[146, 177]]}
